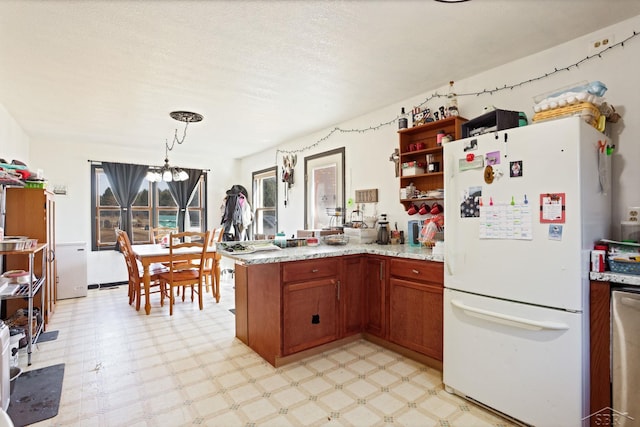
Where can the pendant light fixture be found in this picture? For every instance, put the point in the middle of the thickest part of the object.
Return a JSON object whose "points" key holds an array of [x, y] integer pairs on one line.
{"points": [[168, 173]]}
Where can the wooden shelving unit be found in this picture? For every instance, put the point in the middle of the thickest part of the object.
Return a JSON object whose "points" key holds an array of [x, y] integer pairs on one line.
{"points": [[29, 291], [427, 135]]}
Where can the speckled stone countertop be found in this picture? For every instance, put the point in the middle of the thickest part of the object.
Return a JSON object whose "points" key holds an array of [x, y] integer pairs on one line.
{"points": [[609, 276], [325, 251]]}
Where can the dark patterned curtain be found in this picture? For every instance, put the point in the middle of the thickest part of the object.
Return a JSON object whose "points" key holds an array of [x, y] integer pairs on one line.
{"points": [[125, 180], [181, 192]]}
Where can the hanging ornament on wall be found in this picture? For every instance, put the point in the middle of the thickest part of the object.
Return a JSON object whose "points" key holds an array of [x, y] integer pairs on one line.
{"points": [[289, 162], [395, 157]]}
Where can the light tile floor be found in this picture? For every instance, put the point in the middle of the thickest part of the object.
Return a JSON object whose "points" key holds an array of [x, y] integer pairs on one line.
{"points": [[124, 368]]}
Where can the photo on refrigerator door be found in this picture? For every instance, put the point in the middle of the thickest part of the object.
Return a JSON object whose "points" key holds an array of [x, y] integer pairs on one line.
{"points": [[515, 169], [493, 158], [470, 203], [555, 232]]}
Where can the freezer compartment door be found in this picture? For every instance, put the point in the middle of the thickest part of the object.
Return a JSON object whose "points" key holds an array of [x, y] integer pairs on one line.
{"points": [[522, 360]]}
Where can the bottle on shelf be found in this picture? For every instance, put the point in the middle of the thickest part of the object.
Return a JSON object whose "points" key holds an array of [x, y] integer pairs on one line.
{"points": [[452, 101], [403, 121], [411, 191]]}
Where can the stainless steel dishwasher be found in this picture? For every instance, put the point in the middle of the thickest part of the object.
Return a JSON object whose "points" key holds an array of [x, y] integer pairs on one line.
{"points": [[626, 356]]}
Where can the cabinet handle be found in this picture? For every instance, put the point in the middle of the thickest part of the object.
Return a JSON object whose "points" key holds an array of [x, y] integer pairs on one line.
{"points": [[338, 289], [415, 271], [315, 270]]}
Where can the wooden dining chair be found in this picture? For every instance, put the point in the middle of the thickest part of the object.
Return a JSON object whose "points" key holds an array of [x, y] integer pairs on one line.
{"points": [[159, 232], [212, 264], [184, 275], [134, 271]]}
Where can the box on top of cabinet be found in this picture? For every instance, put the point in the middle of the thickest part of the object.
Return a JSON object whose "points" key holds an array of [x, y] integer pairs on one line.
{"points": [[491, 121]]}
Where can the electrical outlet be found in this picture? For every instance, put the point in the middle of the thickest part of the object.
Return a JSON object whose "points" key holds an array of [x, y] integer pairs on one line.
{"points": [[600, 44]]}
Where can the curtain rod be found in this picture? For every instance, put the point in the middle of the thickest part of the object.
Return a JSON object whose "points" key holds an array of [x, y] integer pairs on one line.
{"points": [[99, 162]]}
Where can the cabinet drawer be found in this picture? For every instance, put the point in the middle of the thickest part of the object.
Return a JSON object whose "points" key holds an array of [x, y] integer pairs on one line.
{"points": [[310, 269], [423, 271]]}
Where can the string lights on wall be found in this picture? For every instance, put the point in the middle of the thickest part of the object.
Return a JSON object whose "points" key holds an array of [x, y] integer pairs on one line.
{"points": [[435, 95]]}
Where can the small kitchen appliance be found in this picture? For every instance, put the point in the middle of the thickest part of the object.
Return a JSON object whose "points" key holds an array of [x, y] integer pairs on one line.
{"points": [[383, 230], [414, 228]]}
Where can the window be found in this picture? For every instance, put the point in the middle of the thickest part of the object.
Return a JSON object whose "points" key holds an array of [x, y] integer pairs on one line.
{"points": [[153, 207], [265, 202]]}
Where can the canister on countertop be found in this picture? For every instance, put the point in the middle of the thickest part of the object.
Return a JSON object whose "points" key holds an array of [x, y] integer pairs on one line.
{"points": [[598, 260]]}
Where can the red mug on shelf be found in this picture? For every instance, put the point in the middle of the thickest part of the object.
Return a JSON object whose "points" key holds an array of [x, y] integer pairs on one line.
{"points": [[420, 146], [412, 147]]}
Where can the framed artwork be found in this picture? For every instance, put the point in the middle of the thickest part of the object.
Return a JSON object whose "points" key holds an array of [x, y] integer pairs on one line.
{"points": [[324, 193]]}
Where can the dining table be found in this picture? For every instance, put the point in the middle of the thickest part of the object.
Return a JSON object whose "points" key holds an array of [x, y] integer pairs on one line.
{"points": [[149, 254]]}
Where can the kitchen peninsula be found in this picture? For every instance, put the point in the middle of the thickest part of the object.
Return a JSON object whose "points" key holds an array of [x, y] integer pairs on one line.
{"points": [[296, 302]]}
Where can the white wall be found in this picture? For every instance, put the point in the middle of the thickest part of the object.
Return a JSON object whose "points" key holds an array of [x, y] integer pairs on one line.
{"points": [[68, 164], [367, 153], [14, 143]]}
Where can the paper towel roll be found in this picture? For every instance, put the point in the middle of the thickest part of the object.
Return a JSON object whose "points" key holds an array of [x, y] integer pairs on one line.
{"points": [[630, 231]]}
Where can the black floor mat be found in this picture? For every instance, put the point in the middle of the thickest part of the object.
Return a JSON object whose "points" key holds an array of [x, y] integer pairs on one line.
{"points": [[48, 336], [36, 395]]}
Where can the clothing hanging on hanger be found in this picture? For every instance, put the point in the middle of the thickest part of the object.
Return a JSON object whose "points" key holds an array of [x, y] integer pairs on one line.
{"points": [[237, 214]]}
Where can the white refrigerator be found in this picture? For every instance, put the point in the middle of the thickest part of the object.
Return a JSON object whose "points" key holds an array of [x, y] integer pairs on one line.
{"points": [[523, 208]]}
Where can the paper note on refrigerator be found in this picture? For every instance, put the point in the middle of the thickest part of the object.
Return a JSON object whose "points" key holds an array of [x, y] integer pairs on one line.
{"points": [[552, 207]]}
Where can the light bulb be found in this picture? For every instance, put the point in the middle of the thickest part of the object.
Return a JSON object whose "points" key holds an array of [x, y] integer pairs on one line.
{"points": [[167, 176], [183, 175]]}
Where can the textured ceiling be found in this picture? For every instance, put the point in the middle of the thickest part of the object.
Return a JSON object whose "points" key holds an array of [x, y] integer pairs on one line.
{"points": [[260, 72]]}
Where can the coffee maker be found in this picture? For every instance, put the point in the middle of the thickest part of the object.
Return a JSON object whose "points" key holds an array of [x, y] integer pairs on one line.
{"points": [[383, 230]]}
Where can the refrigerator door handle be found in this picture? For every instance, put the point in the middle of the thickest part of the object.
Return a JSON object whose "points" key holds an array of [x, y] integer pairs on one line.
{"points": [[505, 319]]}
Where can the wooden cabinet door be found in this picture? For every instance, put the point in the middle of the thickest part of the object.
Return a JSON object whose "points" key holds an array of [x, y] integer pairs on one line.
{"points": [[30, 212], [415, 319], [51, 296], [310, 315], [351, 296], [375, 295]]}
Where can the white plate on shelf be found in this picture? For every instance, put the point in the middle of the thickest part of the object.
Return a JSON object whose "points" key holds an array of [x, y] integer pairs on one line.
{"points": [[9, 290]]}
